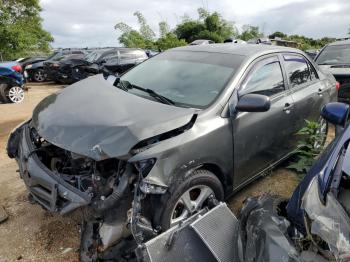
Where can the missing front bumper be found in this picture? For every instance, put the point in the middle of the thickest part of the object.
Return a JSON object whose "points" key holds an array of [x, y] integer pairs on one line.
{"points": [[45, 186]]}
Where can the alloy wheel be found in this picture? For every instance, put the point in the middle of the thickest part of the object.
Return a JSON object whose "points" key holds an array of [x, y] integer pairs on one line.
{"points": [[39, 76], [190, 202], [16, 94]]}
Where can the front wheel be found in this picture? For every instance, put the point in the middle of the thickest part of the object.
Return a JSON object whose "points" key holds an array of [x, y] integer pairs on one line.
{"points": [[188, 196], [39, 75], [11, 94]]}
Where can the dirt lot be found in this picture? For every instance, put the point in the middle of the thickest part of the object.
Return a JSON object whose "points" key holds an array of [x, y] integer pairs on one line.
{"points": [[31, 234]]}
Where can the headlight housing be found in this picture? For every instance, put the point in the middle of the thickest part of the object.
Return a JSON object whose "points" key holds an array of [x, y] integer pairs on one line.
{"points": [[149, 188], [28, 67]]}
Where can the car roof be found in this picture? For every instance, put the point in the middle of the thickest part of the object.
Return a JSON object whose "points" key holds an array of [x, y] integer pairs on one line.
{"points": [[239, 49], [342, 42]]}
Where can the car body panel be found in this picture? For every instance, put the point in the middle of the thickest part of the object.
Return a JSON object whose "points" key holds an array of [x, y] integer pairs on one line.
{"points": [[7, 72]]}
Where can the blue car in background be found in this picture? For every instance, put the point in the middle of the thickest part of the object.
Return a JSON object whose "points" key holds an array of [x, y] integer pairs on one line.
{"points": [[11, 82]]}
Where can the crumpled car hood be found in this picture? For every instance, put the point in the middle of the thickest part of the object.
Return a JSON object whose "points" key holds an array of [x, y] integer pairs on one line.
{"points": [[95, 119]]}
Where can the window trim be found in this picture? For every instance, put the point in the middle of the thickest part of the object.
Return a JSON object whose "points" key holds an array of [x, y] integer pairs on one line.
{"points": [[273, 57]]}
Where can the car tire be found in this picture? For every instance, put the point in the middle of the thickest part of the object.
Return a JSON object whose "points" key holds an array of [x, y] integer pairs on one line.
{"points": [[199, 180], [12, 94], [39, 75], [2, 93]]}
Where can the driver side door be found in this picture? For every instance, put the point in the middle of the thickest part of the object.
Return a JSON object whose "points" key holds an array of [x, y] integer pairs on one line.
{"points": [[262, 138]]}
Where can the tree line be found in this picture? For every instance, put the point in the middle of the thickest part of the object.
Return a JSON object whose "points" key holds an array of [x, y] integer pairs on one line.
{"points": [[22, 34], [210, 26]]}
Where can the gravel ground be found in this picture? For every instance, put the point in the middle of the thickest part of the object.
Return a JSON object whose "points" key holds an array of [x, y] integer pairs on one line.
{"points": [[32, 234]]}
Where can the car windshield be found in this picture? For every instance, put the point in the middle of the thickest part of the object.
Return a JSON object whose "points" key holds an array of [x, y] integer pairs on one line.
{"points": [[334, 55], [189, 79]]}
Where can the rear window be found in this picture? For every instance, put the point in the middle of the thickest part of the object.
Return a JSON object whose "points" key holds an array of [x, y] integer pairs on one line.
{"points": [[334, 55]]}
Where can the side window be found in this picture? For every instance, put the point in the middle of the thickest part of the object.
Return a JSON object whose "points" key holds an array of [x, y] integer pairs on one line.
{"points": [[111, 56], [265, 79], [297, 70]]}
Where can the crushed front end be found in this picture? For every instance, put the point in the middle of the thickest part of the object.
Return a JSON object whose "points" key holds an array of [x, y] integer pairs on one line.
{"points": [[57, 179], [107, 192]]}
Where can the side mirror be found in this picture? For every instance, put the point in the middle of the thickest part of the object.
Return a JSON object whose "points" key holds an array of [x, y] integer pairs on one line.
{"points": [[253, 103], [336, 113]]}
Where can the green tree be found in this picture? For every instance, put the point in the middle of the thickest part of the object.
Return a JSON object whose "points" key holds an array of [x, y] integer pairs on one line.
{"points": [[163, 29], [169, 41], [145, 36], [21, 31], [250, 32], [145, 29], [208, 26]]}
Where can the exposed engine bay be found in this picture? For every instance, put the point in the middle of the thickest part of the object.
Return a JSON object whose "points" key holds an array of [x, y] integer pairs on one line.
{"points": [[107, 193]]}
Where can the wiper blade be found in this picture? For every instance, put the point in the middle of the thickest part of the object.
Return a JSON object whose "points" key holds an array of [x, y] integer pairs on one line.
{"points": [[126, 85], [160, 97]]}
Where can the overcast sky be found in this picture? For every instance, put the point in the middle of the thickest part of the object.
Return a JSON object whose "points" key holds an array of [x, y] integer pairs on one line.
{"points": [[80, 23]]}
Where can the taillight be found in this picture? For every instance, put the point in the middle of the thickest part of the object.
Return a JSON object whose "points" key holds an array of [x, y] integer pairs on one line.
{"points": [[337, 85], [17, 68]]}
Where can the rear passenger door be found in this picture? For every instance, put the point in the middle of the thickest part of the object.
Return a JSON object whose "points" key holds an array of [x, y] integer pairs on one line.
{"points": [[264, 137], [308, 92]]}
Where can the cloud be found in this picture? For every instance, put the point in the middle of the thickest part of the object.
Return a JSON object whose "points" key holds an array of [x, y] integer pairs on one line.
{"points": [[82, 23], [311, 18]]}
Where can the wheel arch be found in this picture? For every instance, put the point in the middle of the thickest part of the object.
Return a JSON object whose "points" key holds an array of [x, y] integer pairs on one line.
{"points": [[225, 179]]}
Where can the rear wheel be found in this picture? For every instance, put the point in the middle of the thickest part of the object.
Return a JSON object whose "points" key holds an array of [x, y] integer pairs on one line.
{"points": [[188, 196], [11, 94], [39, 75]]}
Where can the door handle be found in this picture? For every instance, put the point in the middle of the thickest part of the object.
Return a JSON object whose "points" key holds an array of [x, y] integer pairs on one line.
{"points": [[287, 107]]}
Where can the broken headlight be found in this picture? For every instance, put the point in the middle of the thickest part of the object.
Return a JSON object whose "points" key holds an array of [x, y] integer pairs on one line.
{"points": [[149, 188]]}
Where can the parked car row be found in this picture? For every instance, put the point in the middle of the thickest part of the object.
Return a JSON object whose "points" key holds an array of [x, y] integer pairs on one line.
{"points": [[146, 150], [71, 65]]}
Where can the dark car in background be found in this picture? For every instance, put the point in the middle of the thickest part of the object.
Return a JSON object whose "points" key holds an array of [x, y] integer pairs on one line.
{"points": [[123, 60], [312, 53], [109, 61], [144, 151], [335, 58], [52, 66], [72, 69], [31, 60], [36, 71]]}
